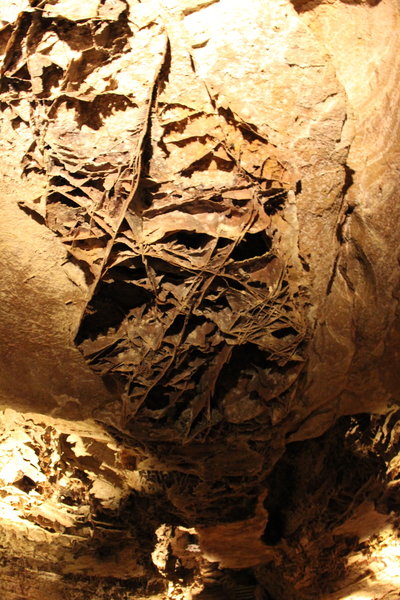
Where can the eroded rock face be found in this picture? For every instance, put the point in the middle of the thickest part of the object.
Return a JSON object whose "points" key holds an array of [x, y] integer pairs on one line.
{"points": [[200, 267]]}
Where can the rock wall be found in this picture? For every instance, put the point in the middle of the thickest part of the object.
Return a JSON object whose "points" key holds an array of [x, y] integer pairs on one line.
{"points": [[199, 283]]}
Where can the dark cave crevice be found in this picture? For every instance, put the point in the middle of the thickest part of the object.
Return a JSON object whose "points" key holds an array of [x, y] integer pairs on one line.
{"points": [[305, 5]]}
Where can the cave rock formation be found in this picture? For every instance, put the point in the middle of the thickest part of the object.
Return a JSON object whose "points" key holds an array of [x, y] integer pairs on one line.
{"points": [[199, 278]]}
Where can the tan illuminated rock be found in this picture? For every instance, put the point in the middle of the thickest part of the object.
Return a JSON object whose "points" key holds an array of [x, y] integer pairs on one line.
{"points": [[199, 284]]}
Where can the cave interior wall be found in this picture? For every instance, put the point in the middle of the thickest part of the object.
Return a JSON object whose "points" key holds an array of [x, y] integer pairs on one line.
{"points": [[199, 284]]}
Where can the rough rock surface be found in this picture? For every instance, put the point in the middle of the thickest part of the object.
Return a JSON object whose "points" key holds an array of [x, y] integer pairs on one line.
{"points": [[199, 284]]}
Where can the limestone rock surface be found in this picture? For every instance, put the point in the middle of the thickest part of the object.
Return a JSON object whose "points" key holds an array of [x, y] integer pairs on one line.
{"points": [[199, 279]]}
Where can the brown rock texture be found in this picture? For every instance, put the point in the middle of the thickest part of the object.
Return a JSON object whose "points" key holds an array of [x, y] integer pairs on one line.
{"points": [[199, 281]]}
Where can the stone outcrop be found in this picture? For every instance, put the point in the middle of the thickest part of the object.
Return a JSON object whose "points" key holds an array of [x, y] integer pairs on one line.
{"points": [[199, 282]]}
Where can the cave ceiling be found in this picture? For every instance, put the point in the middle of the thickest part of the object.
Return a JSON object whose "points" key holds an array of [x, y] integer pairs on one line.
{"points": [[199, 278]]}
